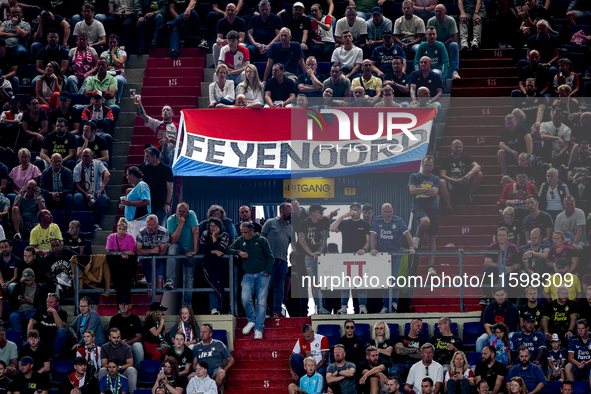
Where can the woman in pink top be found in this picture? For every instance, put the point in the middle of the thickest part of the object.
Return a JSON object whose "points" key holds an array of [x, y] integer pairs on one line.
{"points": [[122, 259], [23, 173]]}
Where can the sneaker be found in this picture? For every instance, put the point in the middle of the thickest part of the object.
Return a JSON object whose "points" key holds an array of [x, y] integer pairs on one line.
{"points": [[394, 307], [474, 45], [464, 46], [153, 46], [323, 311], [97, 227], [258, 334], [384, 310], [169, 285], [215, 312], [415, 242], [203, 44], [343, 310], [174, 54], [455, 75], [17, 237], [140, 51], [484, 301], [363, 310], [278, 315], [432, 271], [248, 328], [142, 281]]}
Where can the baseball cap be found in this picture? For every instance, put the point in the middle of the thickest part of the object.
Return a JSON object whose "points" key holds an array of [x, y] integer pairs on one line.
{"points": [[376, 10], [13, 99], [387, 33], [64, 95], [355, 204], [554, 338], [124, 300], [529, 317], [97, 93], [28, 274], [298, 4], [156, 306], [316, 207], [26, 360]]}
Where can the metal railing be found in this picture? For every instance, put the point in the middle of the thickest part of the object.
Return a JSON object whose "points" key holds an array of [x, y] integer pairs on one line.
{"points": [[232, 289]]}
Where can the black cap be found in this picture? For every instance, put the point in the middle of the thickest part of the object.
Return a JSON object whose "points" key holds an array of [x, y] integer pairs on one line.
{"points": [[12, 99], [316, 207], [529, 317], [387, 33], [156, 306], [355, 204], [64, 95], [124, 300]]}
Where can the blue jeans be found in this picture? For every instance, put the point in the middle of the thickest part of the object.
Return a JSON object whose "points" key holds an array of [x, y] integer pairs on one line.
{"points": [[121, 82], [77, 18], [16, 317], [67, 203], [364, 15], [162, 216], [138, 354], [522, 63], [215, 302], [297, 360], [150, 24], [279, 273], [147, 270], [454, 57], [35, 48], [258, 283], [15, 82], [57, 343], [176, 23], [75, 86], [463, 386], [362, 295], [401, 369], [99, 208], [396, 260], [21, 53], [188, 269]]}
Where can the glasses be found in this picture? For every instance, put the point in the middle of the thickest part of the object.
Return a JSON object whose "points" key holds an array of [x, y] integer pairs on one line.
{"points": [[552, 194], [350, 327]]}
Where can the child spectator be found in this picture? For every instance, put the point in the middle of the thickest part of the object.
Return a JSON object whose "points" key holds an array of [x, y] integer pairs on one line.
{"points": [[566, 76], [312, 381], [74, 239], [556, 360], [29, 261], [513, 226], [498, 336]]}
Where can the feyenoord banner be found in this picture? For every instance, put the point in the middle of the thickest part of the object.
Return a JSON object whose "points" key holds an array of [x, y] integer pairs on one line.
{"points": [[286, 143]]}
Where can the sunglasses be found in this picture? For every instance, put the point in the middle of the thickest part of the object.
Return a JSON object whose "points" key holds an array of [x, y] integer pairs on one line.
{"points": [[350, 327]]}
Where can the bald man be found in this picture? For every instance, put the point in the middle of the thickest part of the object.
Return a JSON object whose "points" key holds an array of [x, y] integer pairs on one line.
{"points": [[424, 76]]}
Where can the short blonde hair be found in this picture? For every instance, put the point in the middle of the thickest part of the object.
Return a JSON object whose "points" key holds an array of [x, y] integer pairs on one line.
{"points": [[309, 360], [509, 211], [222, 67], [25, 151], [564, 88], [76, 223]]}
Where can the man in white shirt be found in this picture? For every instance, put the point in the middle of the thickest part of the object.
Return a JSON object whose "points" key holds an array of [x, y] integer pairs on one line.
{"points": [[95, 31], [354, 24], [348, 56], [572, 223], [427, 367], [556, 136], [202, 383]]}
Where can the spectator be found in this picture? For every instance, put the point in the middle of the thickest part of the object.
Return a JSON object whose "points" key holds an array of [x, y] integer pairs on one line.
{"points": [[10, 120], [74, 239], [226, 22], [556, 360], [556, 137], [263, 30], [27, 204], [560, 316], [122, 244], [91, 352], [425, 367], [27, 381], [9, 68], [99, 144], [85, 381], [92, 28], [52, 51], [531, 374], [101, 87], [50, 322], [464, 175], [44, 233], [34, 125], [500, 311], [122, 19], [37, 351], [245, 215], [577, 10], [16, 31], [471, 11], [560, 250], [137, 201], [297, 258], [514, 194], [532, 307], [83, 63], [383, 55], [67, 112], [386, 236], [578, 352], [409, 29], [279, 90], [571, 222], [517, 386], [424, 76], [434, 50], [552, 194], [202, 383], [578, 171], [425, 209], [309, 345], [561, 268], [348, 56], [185, 15], [90, 180], [58, 270], [57, 185], [532, 338], [533, 69], [515, 139], [169, 377], [153, 240], [159, 178], [359, 98], [118, 354], [571, 110], [447, 33], [373, 370], [490, 371], [537, 219], [221, 91], [25, 298], [86, 320], [310, 82], [235, 56], [498, 336], [397, 79], [352, 344], [49, 86], [155, 344], [529, 107], [187, 325], [8, 354], [131, 329], [381, 340], [114, 380], [547, 46], [392, 385], [340, 85], [166, 131], [446, 344], [152, 19], [218, 212], [322, 40], [341, 371], [286, 52], [116, 58], [30, 260], [460, 378], [8, 266], [60, 141], [355, 25], [252, 88], [408, 350], [371, 84], [424, 100], [25, 172], [326, 100], [388, 101], [567, 76], [214, 353], [376, 27]]}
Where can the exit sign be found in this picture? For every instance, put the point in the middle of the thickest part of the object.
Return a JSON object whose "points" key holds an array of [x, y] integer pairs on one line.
{"points": [[350, 191]]}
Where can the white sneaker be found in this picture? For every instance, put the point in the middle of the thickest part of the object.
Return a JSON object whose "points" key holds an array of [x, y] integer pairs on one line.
{"points": [[142, 281], [17, 237], [455, 75], [432, 271], [97, 228], [363, 309], [248, 328], [343, 310], [394, 307], [168, 285], [258, 334], [384, 310], [415, 242], [215, 312]]}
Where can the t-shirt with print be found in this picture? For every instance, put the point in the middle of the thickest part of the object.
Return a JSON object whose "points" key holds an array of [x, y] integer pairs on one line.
{"points": [[60, 268], [557, 357], [389, 234], [536, 311], [563, 131], [55, 144], [45, 323], [559, 315], [97, 146], [213, 354], [234, 61], [29, 386], [581, 350], [421, 181], [313, 232], [148, 240], [409, 343], [458, 167], [442, 355], [5, 384], [183, 358], [534, 341], [513, 230], [312, 349], [382, 56], [42, 238], [568, 225]]}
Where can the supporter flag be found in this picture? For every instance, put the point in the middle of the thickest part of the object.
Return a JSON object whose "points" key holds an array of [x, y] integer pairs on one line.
{"points": [[286, 143]]}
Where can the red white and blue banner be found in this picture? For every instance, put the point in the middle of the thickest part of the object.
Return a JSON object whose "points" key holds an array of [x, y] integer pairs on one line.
{"points": [[294, 143]]}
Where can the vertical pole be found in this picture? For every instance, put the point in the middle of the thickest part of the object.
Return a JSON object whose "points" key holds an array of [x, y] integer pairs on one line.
{"points": [[462, 306], [231, 286], [76, 289], [153, 278]]}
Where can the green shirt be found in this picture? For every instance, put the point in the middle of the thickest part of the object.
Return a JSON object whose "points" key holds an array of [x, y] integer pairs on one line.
{"points": [[444, 31], [365, 5], [186, 238], [109, 82], [438, 55]]}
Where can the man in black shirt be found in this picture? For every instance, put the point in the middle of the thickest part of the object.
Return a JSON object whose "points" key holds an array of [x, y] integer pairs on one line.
{"points": [[130, 327], [529, 107], [57, 267], [354, 347], [5, 382], [560, 317], [60, 141], [371, 372], [491, 370], [585, 306], [532, 68], [95, 143], [159, 178], [299, 306], [48, 22], [279, 90], [244, 215], [310, 82], [67, 112], [515, 139], [300, 26], [446, 344], [181, 353], [28, 381], [407, 350], [37, 351], [50, 321], [51, 51]]}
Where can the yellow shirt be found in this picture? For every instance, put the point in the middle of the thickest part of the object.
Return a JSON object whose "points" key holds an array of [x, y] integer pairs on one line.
{"points": [[42, 238], [374, 84], [572, 290]]}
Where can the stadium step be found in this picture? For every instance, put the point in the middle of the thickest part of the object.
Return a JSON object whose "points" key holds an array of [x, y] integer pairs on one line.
{"points": [[480, 92], [262, 381], [276, 333], [499, 110], [183, 52], [488, 54], [466, 230], [167, 62], [174, 72], [278, 323], [463, 219], [483, 72], [485, 82], [171, 82], [244, 356], [189, 93], [492, 63], [465, 120]]}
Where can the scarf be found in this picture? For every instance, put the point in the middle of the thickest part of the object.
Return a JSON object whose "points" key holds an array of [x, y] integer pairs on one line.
{"points": [[117, 388], [89, 186], [77, 382], [87, 353], [83, 61], [188, 331]]}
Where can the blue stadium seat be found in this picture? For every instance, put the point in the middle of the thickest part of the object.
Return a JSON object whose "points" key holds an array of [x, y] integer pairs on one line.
{"points": [[61, 369], [148, 372], [79, 99], [581, 387], [473, 358], [454, 329], [261, 66], [59, 218], [578, 60], [394, 332], [410, 66], [86, 220], [331, 331], [220, 335], [424, 335], [362, 330], [16, 337], [323, 68], [472, 331], [143, 391], [552, 387]]}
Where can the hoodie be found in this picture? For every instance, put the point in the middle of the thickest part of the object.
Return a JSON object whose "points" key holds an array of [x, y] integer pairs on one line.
{"points": [[260, 258], [506, 313], [203, 386], [92, 322], [90, 386]]}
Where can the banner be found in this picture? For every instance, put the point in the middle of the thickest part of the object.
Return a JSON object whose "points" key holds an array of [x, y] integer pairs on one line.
{"points": [[353, 271], [285, 143]]}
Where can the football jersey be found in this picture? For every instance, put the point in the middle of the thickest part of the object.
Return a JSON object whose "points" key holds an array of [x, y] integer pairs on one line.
{"points": [[534, 341], [312, 349], [581, 350], [234, 61], [556, 357]]}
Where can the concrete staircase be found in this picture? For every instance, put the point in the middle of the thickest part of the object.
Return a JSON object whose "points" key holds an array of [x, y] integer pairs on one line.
{"points": [[208, 74]]}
